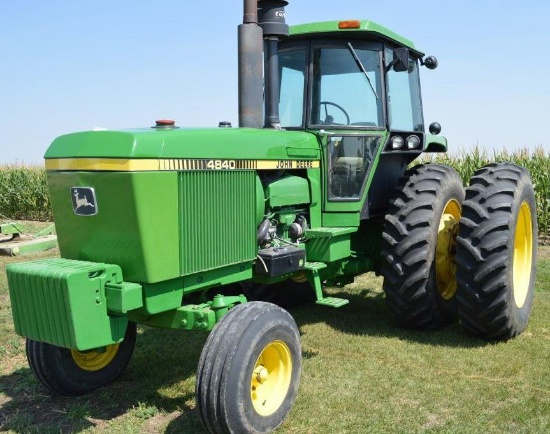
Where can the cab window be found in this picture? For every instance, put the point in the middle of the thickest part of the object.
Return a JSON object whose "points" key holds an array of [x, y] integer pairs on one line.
{"points": [[404, 100], [292, 67]]}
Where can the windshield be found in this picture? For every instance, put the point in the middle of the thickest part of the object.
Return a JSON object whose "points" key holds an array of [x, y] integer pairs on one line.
{"points": [[345, 84], [346, 87]]}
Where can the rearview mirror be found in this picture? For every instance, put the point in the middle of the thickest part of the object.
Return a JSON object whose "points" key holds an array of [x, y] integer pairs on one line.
{"points": [[400, 60], [430, 62]]}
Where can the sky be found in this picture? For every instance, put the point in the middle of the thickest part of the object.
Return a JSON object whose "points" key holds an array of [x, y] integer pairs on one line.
{"points": [[69, 66]]}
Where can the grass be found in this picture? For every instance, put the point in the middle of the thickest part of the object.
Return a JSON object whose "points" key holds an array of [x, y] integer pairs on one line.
{"points": [[361, 373]]}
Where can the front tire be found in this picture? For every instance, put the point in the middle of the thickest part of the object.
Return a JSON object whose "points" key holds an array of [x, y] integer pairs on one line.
{"points": [[249, 370], [73, 373], [419, 246], [497, 252]]}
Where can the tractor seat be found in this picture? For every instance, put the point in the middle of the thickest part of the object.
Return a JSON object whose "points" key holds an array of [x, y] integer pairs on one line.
{"points": [[348, 165]]}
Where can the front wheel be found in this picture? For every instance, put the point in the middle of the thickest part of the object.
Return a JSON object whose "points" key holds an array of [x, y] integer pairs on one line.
{"points": [[249, 370], [72, 373]]}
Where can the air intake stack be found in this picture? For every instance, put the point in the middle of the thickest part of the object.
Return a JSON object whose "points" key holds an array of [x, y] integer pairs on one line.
{"points": [[271, 14], [263, 26]]}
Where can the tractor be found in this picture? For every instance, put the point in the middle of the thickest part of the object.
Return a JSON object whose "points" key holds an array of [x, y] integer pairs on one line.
{"points": [[315, 186]]}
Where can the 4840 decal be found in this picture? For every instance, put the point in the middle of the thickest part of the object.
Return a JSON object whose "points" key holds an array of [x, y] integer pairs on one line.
{"points": [[222, 164]]}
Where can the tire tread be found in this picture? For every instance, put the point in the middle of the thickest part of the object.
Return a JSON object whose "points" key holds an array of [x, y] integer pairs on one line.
{"points": [[484, 255], [408, 247]]}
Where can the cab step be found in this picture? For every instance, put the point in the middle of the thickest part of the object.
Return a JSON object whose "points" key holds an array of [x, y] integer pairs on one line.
{"points": [[315, 266], [332, 301], [323, 232]]}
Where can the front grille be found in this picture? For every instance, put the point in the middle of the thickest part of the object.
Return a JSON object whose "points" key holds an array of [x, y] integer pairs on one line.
{"points": [[217, 212]]}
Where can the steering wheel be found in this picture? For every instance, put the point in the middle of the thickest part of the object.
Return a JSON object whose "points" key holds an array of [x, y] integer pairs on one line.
{"points": [[339, 107]]}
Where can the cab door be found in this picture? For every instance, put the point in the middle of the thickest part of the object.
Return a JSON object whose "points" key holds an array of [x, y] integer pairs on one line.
{"points": [[350, 158], [346, 103]]}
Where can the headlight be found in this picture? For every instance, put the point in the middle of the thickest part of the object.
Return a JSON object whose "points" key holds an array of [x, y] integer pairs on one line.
{"points": [[413, 142], [397, 142]]}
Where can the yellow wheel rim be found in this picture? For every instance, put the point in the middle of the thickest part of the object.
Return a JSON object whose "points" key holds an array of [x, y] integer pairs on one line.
{"points": [[523, 254], [445, 265], [271, 378], [95, 360]]}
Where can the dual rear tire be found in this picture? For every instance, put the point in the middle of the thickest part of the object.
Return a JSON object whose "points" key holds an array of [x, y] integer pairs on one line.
{"points": [[419, 247], [445, 253], [497, 252]]}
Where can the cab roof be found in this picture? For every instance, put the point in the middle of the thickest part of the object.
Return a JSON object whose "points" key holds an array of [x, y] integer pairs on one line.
{"points": [[362, 27]]}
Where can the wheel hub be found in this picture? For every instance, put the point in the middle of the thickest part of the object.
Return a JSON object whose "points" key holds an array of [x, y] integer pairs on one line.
{"points": [[445, 264], [261, 374], [523, 255], [95, 360], [271, 378]]}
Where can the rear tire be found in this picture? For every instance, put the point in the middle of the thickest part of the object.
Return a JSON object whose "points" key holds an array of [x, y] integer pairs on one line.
{"points": [[419, 245], [249, 370], [497, 252], [73, 373]]}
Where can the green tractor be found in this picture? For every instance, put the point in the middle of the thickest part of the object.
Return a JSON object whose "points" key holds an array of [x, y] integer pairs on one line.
{"points": [[203, 229]]}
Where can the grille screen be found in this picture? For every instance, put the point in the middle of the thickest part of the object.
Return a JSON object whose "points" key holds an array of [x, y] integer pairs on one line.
{"points": [[217, 219]]}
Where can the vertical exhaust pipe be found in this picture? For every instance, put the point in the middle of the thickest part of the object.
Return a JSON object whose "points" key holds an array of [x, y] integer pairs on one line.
{"points": [[250, 68]]}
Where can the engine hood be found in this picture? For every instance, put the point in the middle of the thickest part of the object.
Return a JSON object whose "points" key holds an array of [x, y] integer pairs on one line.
{"points": [[205, 143]]}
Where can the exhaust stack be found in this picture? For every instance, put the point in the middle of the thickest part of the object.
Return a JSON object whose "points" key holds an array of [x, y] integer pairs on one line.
{"points": [[250, 68]]}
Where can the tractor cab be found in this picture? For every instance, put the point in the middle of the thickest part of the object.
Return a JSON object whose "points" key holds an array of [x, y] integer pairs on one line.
{"points": [[356, 85]]}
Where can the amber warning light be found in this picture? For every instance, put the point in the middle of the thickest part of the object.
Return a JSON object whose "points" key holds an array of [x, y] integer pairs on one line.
{"points": [[352, 24]]}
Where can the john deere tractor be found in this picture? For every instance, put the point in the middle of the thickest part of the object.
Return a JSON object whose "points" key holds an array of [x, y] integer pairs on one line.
{"points": [[194, 229]]}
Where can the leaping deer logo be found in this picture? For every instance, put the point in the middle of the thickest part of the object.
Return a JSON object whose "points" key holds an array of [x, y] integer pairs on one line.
{"points": [[81, 201], [84, 201]]}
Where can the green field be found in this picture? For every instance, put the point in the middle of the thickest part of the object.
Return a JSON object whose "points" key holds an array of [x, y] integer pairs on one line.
{"points": [[537, 162], [361, 373]]}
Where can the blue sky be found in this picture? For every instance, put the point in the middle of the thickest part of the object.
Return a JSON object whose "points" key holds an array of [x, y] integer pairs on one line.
{"points": [[74, 65]]}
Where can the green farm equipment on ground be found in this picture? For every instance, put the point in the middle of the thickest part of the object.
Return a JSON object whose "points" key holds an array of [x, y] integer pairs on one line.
{"points": [[215, 229], [16, 240]]}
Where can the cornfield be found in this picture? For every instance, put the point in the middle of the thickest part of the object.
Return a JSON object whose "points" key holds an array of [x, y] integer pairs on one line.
{"points": [[537, 162], [24, 194]]}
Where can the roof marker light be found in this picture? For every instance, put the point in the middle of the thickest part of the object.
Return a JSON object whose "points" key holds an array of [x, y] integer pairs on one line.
{"points": [[352, 24]]}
